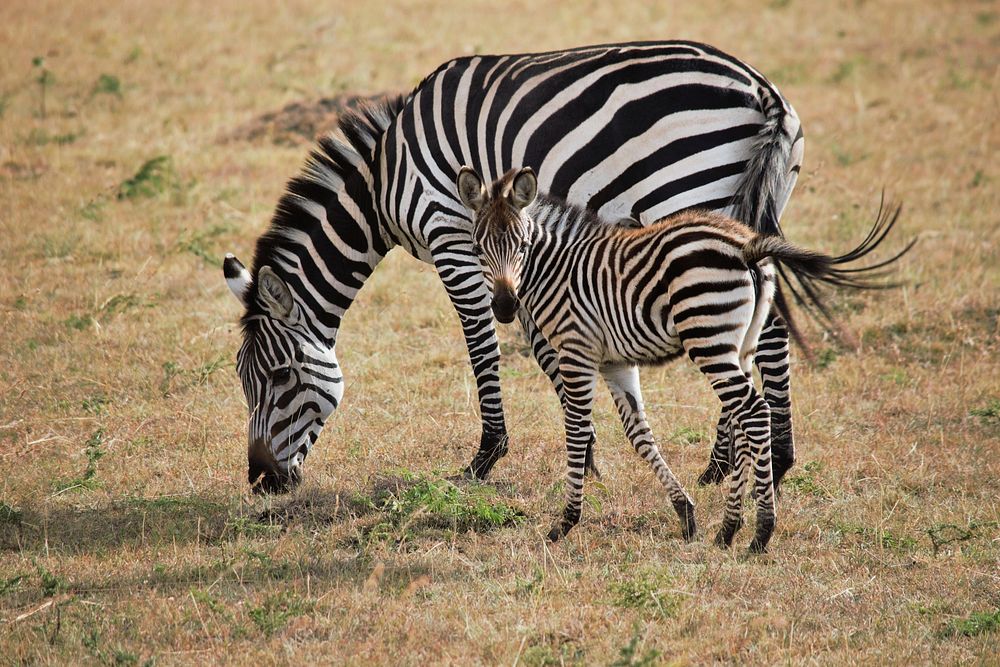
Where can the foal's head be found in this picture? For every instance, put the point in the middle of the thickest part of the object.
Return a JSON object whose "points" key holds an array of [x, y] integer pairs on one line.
{"points": [[502, 231]]}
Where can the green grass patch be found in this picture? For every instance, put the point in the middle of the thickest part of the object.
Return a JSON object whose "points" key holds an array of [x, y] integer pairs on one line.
{"points": [[976, 623], [943, 534], [9, 516], [646, 592], [629, 655], [251, 528], [825, 358], [806, 482], [11, 584], [439, 501], [686, 435], [154, 177], [870, 537], [177, 378], [200, 243], [50, 583], [989, 413], [108, 84], [39, 136], [277, 610], [94, 451]]}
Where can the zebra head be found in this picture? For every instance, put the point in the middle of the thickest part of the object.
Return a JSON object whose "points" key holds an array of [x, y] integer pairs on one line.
{"points": [[501, 231], [290, 377]]}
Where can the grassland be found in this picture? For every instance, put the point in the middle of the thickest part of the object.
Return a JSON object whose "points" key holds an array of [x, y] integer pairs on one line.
{"points": [[127, 535]]}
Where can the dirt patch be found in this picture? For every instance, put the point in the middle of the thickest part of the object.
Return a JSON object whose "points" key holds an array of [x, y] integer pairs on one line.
{"points": [[300, 122]]}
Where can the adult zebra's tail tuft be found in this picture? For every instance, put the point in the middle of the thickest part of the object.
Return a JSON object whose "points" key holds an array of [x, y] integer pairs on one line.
{"points": [[809, 269]]}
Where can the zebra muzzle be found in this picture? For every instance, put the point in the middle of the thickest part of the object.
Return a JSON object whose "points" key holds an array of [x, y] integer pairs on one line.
{"points": [[505, 303]]}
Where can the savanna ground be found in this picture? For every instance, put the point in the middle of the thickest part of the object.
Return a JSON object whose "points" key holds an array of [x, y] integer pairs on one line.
{"points": [[127, 534]]}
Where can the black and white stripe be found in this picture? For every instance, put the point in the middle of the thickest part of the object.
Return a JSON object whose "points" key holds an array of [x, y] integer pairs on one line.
{"points": [[633, 131], [608, 299]]}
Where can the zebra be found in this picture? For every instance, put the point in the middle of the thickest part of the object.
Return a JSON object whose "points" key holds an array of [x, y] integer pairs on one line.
{"points": [[608, 299], [633, 131]]}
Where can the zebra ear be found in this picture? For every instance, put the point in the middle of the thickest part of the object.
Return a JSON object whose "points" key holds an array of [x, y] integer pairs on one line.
{"points": [[274, 293], [471, 190], [237, 277], [524, 188]]}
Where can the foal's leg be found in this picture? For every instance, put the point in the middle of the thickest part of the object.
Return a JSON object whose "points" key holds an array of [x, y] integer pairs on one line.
{"points": [[579, 377], [718, 356], [623, 381], [548, 361], [773, 363]]}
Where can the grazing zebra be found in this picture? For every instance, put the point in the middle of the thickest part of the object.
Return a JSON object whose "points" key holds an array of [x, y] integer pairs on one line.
{"points": [[633, 131], [609, 298]]}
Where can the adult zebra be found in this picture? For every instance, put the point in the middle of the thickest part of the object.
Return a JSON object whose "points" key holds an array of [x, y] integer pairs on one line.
{"points": [[636, 131]]}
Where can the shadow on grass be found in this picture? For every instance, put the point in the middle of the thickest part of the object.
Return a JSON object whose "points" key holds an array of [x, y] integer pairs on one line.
{"points": [[138, 522], [135, 522]]}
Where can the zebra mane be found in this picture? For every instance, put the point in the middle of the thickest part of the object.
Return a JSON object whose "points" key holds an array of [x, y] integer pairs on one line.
{"points": [[330, 164]]}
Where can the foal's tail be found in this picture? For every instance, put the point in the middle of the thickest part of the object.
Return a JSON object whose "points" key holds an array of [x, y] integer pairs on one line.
{"points": [[810, 269]]}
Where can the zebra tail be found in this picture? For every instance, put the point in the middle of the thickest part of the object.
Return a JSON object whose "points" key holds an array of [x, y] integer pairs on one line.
{"points": [[755, 201], [803, 272]]}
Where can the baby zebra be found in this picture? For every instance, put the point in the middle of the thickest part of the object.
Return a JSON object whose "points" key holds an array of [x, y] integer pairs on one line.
{"points": [[609, 298]]}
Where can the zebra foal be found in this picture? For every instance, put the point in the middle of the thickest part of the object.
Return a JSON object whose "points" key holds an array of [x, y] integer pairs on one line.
{"points": [[609, 298]]}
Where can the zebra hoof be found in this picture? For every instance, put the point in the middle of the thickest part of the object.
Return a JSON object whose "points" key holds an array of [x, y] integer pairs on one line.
{"points": [[724, 538], [714, 474], [556, 533], [757, 547], [689, 528]]}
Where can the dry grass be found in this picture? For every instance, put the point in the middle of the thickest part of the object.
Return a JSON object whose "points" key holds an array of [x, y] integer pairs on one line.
{"points": [[125, 534]]}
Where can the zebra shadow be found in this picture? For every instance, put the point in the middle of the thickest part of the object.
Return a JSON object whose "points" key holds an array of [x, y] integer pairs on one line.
{"points": [[139, 522]]}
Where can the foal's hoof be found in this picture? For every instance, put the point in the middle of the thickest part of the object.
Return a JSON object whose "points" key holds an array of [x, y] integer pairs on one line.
{"points": [[557, 533], [757, 546]]}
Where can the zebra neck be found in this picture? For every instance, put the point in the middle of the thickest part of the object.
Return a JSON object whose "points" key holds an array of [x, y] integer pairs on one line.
{"points": [[326, 237], [565, 224]]}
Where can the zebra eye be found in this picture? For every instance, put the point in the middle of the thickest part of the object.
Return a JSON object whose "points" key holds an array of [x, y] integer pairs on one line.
{"points": [[524, 247], [281, 375], [476, 248]]}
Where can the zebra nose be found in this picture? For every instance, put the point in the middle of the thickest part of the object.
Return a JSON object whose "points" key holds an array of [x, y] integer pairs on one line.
{"points": [[264, 475], [504, 303]]}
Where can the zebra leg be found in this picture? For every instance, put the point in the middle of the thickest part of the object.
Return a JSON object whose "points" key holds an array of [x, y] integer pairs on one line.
{"points": [[463, 281], [623, 381], [548, 361], [720, 462], [579, 377], [755, 423], [729, 375], [772, 362]]}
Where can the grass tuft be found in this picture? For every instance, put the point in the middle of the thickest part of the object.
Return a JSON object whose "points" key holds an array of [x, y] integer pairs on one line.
{"points": [[9, 516], [94, 451], [153, 178], [628, 655], [988, 414], [277, 610], [976, 623], [441, 502], [108, 84], [806, 482], [646, 591]]}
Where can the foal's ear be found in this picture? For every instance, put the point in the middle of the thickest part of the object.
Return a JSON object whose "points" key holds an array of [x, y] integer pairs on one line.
{"points": [[524, 188], [274, 293], [237, 277], [471, 190]]}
